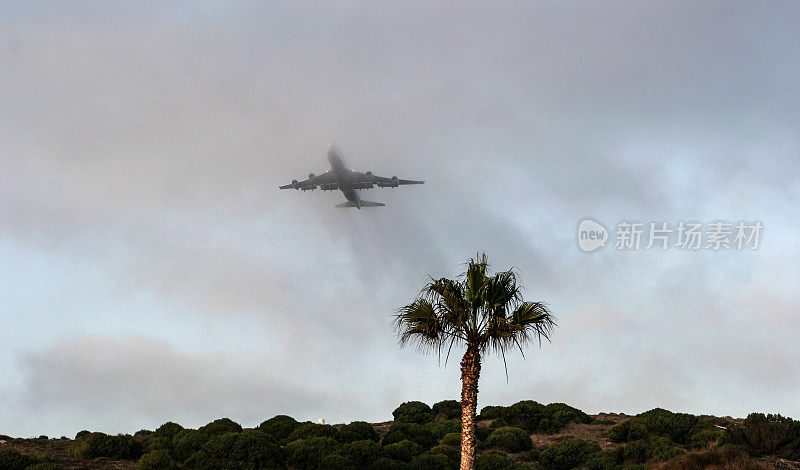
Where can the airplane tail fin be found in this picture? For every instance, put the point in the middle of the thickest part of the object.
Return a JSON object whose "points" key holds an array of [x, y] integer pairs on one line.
{"points": [[363, 204]]}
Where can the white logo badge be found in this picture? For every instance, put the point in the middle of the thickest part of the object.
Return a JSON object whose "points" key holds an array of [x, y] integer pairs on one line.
{"points": [[591, 235]]}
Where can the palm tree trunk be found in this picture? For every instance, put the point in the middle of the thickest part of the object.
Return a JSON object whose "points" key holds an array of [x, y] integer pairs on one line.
{"points": [[470, 373]]}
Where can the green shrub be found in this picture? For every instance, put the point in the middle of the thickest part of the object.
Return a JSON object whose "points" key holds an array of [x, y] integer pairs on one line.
{"points": [[238, 451], [491, 412], [280, 426], [157, 460], [167, 430], [441, 427], [81, 434], [11, 459], [157, 443], [362, 453], [497, 461], [568, 454], [452, 453], [609, 459], [483, 432], [384, 463], [43, 466], [432, 462], [447, 409], [404, 450], [680, 427], [704, 438], [336, 462], [452, 439], [413, 412], [717, 458], [410, 431], [654, 449], [307, 430], [762, 434], [98, 444], [792, 450], [219, 426], [356, 431], [510, 439], [185, 443], [307, 453], [538, 418]]}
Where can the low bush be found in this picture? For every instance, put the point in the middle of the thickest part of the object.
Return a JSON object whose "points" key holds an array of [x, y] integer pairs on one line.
{"points": [[279, 427], [705, 438], [538, 418], [447, 409], [157, 443], [568, 454], [409, 431], [362, 453], [483, 432], [441, 427], [654, 449], [764, 434], [167, 430], [510, 439], [680, 427], [491, 412], [609, 459], [497, 461], [307, 430], [11, 459], [157, 460], [98, 444], [384, 463], [336, 462], [452, 439], [238, 451], [719, 458], [451, 452], [404, 450], [432, 462], [44, 466], [185, 443], [306, 453], [219, 426], [413, 412], [356, 431]]}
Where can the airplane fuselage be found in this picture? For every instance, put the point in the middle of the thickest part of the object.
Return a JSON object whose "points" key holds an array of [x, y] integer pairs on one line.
{"points": [[343, 176]]}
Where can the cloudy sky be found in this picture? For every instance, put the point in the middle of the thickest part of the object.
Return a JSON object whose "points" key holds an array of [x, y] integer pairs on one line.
{"points": [[150, 269]]}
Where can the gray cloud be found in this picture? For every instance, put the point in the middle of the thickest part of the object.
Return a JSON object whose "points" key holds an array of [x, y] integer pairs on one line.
{"points": [[119, 383]]}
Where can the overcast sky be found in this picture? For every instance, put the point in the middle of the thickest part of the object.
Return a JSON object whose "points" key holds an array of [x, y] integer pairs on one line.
{"points": [[151, 270]]}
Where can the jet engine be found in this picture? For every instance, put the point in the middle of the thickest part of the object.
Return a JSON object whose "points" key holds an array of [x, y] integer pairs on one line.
{"points": [[395, 182], [369, 176], [311, 176], [294, 184]]}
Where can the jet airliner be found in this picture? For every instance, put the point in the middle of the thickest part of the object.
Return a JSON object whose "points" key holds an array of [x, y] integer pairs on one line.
{"points": [[347, 181]]}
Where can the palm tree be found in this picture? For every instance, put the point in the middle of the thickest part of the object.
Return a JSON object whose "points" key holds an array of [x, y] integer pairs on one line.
{"points": [[482, 312]]}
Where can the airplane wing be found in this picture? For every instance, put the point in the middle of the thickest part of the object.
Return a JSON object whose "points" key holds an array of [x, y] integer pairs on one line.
{"points": [[325, 181], [367, 180]]}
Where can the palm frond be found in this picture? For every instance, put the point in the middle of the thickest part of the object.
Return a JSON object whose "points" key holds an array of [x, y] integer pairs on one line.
{"points": [[475, 277], [532, 320], [418, 323]]}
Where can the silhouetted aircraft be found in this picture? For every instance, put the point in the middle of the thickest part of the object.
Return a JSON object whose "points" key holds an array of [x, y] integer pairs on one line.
{"points": [[348, 181]]}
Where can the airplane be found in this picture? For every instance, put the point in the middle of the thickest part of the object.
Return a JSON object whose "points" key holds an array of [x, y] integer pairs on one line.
{"points": [[348, 181]]}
